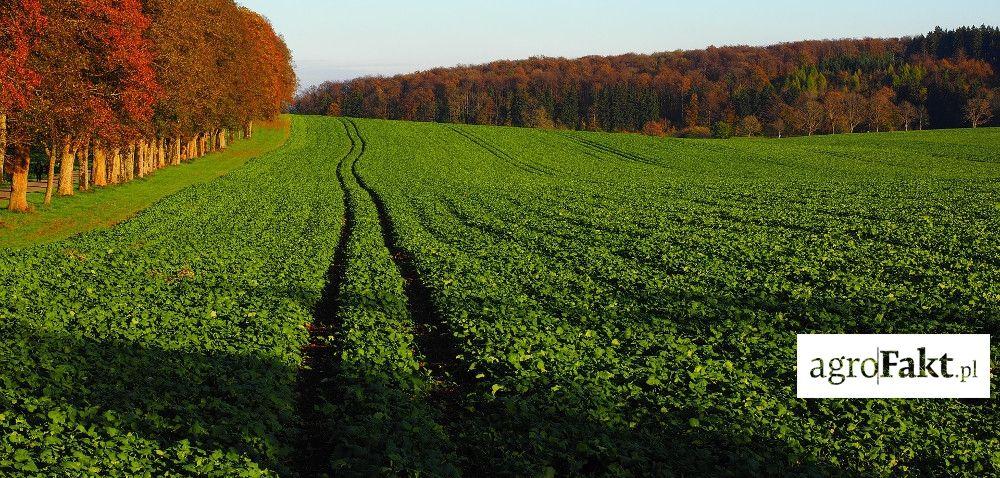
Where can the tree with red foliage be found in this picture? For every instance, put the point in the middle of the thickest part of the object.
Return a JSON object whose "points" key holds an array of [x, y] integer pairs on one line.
{"points": [[129, 88], [654, 128], [97, 80], [267, 68], [120, 80], [21, 25], [882, 110]]}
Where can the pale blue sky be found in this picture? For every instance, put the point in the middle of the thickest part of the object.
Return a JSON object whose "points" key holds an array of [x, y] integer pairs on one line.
{"points": [[336, 40]]}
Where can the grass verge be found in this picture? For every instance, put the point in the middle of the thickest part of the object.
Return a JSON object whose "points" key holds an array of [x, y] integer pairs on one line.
{"points": [[105, 207]]}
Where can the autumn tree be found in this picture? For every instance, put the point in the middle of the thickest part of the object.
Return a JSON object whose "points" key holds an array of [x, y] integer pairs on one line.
{"points": [[182, 61], [692, 111], [908, 114], [270, 63], [882, 110], [654, 128], [131, 84], [811, 114], [21, 26], [855, 110], [979, 110], [129, 87], [834, 108], [96, 79], [777, 127], [749, 126]]}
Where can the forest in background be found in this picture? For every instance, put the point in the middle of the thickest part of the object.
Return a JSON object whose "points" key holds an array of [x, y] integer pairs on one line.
{"points": [[944, 79], [111, 90]]}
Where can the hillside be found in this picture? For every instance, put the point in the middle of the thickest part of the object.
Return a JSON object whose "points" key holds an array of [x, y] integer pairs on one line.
{"points": [[450, 300], [801, 88]]}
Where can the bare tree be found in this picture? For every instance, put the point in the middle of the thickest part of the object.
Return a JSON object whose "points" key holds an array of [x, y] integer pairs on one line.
{"points": [[923, 117], [834, 105], [777, 127], [812, 114], [979, 110], [749, 126], [854, 106], [908, 113]]}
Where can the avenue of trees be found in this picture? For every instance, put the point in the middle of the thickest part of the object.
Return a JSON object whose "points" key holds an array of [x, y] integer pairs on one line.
{"points": [[111, 90], [940, 80]]}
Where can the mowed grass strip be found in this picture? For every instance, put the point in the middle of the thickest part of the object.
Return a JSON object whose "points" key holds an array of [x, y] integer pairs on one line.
{"points": [[105, 207]]}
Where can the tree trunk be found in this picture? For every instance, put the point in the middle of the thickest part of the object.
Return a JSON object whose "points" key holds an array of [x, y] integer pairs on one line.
{"points": [[128, 168], [161, 154], [3, 143], [66, 168], [140, 160], [154, 153], [136, 160], [116, 166], [175, 152], [100, 165], [85, 167], [50, 184], [19, 166], [249, 130]]}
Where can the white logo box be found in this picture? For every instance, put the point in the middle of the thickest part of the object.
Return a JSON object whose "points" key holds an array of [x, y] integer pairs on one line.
{"points": [[918, 366]]}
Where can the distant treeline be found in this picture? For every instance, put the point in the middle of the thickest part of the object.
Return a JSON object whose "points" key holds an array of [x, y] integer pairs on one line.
{"points": [[943, 79]]}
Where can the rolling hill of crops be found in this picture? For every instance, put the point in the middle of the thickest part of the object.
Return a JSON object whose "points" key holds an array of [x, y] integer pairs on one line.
{"points": [[508, 301], [627, 303]]}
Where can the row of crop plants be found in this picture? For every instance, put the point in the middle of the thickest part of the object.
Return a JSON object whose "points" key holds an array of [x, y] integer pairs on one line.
{"points": [[378, 418]]}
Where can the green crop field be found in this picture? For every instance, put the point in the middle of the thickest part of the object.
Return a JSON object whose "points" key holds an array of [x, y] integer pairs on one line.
{"points": [[393, 298]]}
